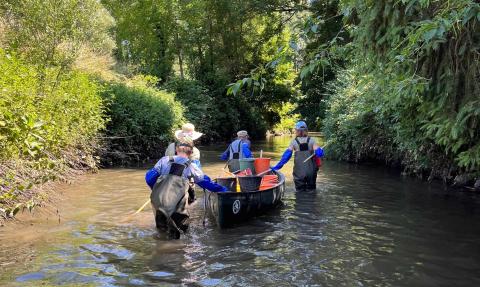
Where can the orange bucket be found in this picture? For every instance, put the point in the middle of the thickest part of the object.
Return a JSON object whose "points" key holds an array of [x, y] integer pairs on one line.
{"points": [[261, 164]]}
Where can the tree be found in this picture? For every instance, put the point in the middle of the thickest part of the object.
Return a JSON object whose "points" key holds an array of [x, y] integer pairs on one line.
{"points": [[51, 33]]}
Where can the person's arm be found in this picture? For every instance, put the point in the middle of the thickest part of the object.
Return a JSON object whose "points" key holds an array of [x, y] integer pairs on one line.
{"points": [[207, 183], [246, 150], [225, 154], [151, 177], [287, 154], [204, 181], [197, 163]]}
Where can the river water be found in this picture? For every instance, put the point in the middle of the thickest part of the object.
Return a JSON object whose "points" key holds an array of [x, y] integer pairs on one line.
{"points": [[364, 226]]}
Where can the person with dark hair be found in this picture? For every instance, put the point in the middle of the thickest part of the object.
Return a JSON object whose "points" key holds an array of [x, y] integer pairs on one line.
{"points": [[169, 181], [307, 151], [238, 149]]}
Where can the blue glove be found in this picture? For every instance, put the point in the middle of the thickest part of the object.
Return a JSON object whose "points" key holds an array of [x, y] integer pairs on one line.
{"points": [[207, 183], [246, 151], [285, 158], [319, 152], [225, 154], [151, 177]]}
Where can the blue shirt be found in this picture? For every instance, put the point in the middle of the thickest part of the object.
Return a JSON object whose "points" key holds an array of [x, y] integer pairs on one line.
{"points": [[245, 151], [163, 167]]}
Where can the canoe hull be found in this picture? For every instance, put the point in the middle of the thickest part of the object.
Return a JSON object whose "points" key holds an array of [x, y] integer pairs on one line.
{"points": [[230, 208]]}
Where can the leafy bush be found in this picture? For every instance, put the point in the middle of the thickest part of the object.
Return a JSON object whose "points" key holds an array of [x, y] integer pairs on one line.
{"points": [[411, 90], [45, 128], [142, 119]]}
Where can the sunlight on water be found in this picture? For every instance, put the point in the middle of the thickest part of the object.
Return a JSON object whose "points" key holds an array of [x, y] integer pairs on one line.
{"points": [[364, 226]]}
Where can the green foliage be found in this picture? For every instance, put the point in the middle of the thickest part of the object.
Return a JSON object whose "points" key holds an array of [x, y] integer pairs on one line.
{"points": [[144, 35], [214, 114], [44, 131], [415, 76], [52, 33], [34, 125], [198, 102], [142, 118], [287, 118]]}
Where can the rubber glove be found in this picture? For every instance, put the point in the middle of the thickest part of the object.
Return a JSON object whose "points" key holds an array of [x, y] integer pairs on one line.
{"points": [[225, 154], [319, 152], [207, 183], [285, 158], [151, 177], [246, 151]]}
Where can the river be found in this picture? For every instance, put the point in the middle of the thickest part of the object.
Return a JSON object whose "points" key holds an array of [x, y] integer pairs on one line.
{"points": [[364, 226]]}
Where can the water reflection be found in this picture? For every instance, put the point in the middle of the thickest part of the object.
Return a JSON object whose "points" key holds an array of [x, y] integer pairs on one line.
{"points": [[364, 226]]}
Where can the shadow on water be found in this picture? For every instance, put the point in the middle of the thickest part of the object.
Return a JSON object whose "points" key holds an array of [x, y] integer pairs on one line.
{"points": [[364, 226]]}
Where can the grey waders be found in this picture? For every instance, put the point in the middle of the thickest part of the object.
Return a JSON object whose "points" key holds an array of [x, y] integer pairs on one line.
{"points": [[304, 173], [169, 200], [191, 189], [235, 156]]}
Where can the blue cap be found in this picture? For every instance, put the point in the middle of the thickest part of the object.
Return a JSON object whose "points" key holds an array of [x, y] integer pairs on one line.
{"points": [[300, 125]]}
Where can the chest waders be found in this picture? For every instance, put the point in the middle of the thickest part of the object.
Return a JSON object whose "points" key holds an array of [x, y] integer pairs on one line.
{"points": [[191, 184], [235, 156], [304, 173], [169, 200]]}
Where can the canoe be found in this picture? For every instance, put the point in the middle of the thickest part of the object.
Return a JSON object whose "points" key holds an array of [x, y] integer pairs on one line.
{"points": [[230, 208]]}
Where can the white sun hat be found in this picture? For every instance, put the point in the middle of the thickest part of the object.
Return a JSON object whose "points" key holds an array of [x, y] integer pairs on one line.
{"points": [[242, 134], [187, 133]]}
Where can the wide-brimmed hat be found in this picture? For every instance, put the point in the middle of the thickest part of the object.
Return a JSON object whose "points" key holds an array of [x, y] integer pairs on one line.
{"points": [[242, 134], [187, 133]]}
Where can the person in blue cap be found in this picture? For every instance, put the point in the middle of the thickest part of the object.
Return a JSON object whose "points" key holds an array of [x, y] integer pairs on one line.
{"points": [[169, 181], [305, 167], [237, 150]]}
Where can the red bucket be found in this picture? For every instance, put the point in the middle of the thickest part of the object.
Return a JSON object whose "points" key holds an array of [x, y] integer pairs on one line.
{"points": [[261, 164]]}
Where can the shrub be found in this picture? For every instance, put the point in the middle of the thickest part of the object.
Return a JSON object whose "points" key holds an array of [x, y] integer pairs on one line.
{"points": [[411, 92], [45, 128], [143, 119]]}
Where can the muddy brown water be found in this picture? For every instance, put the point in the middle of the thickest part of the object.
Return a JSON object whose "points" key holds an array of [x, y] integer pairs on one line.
{"points": [[364, 226]]}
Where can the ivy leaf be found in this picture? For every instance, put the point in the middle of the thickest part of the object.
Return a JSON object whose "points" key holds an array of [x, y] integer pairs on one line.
{"points": [[430, 34]]}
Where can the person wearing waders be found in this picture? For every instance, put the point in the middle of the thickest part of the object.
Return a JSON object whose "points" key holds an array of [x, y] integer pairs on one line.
{"points": [[169, 181], [187, 135], [238, 149], [306, 153]]}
